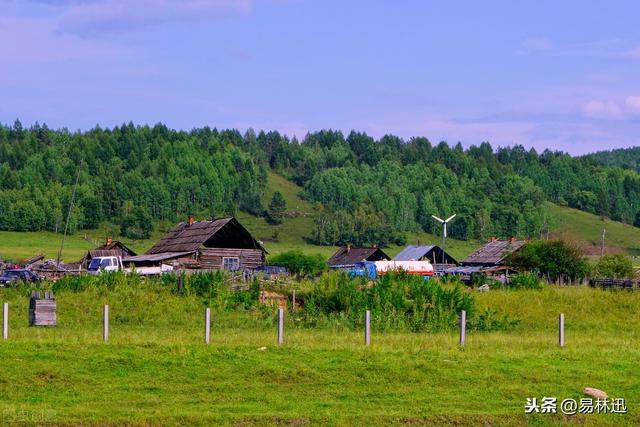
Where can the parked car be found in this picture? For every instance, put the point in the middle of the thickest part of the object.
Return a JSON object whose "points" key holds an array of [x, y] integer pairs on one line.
{"points": [[105, 264], [18, 275]]}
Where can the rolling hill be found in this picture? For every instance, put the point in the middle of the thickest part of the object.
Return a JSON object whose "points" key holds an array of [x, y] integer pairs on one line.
{"points": [[581, 226]]}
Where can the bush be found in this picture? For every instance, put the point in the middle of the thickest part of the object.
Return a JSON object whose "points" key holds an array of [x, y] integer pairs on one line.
{"points": [[555, 259], [276, 209], [300, 264], [525, 281], [396, 301], [614, 266]]}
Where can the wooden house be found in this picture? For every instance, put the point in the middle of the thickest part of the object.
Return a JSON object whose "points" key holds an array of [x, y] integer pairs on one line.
{"points": [[110, 248], [347, 256], [432, 253], [211, 245], [493, 254]]}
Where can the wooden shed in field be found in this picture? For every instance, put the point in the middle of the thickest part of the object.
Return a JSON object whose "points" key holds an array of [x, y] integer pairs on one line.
{"points": [[493, 254], [221, 243], [110, 248], [347, 256]]}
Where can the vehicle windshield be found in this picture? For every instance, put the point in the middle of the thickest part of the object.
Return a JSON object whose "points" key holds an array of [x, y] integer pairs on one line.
{"points": [[98, 263]]}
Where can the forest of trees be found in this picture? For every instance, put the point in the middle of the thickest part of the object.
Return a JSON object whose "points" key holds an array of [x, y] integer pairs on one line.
{"points": [[628, 158], [367, 190]]}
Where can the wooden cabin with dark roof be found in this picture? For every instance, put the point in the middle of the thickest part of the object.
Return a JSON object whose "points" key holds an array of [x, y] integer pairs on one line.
{"points": [[347, 256], [493, 254], [110, 248], [221, 243]]}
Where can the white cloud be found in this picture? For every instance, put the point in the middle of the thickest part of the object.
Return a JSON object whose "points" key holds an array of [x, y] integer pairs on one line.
{"points": [[632, 53], [622, 109], [633, 104], [91, 18], [602, 109], [610, 48], [31, 40]]}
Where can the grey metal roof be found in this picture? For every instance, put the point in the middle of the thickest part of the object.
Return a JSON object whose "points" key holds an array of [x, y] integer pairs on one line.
{"points": [[413, 252]]}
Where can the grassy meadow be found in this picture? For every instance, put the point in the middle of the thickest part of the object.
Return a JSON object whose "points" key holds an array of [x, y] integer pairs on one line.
{"points": [[157, 370], [587, 228]]}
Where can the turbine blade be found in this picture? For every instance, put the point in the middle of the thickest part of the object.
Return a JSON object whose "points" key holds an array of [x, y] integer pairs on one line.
{"points": [[450, 218], [437, 219]]}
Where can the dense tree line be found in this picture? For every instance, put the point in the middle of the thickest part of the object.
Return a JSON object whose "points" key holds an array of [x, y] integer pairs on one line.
{"points": [[627, 158], [127, 175], [366, 190]]}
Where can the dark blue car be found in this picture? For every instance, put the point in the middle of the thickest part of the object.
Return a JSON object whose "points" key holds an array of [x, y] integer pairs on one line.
{"points": [[17, 275]]}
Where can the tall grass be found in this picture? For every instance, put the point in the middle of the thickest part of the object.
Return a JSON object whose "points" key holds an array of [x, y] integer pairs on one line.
{"points": [[398, 302]]}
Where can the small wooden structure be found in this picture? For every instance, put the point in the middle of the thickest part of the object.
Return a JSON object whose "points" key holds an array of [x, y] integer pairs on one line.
{"points": [[347, 256], [219, 244], [494, 253], [42, 311], [110, 248]]}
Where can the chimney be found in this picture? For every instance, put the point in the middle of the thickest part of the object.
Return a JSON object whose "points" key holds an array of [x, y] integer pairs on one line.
{"points": [[109, 240], [374, 246], [348, 248], [493, 239], [190, 220], [512, 239]]}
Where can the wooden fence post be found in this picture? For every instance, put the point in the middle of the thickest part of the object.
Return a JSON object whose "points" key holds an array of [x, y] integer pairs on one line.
{"points": [[105, 323], [561, 330], [280, 326], [294, 300], [367, 327], [207, 325], [463, 326], [5, 321]]}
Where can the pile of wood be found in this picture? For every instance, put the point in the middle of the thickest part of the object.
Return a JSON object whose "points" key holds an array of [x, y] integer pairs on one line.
{"points": [[614, 283], [50, 269], [42, 311]]}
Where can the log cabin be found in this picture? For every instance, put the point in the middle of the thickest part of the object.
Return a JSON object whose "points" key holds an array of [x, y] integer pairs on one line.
{"points": [[110, 248], [347, 256], [218, 244]]}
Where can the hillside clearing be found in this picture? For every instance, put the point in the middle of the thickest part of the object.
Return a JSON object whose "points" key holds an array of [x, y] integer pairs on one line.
{"points": [[587, 228]]}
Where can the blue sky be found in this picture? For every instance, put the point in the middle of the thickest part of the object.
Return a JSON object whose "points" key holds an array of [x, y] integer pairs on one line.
{"points": [[560, 75]]}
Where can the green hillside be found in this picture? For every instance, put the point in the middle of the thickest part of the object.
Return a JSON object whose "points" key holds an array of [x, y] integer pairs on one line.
{"points": [[581, 226], [587, 228], [292, 232], [276, 238]]}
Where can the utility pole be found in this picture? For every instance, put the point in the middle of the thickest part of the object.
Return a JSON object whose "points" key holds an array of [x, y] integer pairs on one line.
{"points": [[66, 225], [602, 243]]}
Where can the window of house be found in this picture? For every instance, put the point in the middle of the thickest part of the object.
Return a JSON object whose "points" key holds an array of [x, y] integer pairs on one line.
{"points": [[231, 263]]}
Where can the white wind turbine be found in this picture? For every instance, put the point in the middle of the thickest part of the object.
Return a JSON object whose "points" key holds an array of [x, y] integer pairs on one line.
{"points": [[444, 223]]}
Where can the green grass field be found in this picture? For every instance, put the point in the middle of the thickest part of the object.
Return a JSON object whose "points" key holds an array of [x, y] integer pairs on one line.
{"points": [[156, 369], [588, 228]]}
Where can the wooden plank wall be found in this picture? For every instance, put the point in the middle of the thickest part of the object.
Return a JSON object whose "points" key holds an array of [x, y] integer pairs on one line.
{"points": [[211, 258]]}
